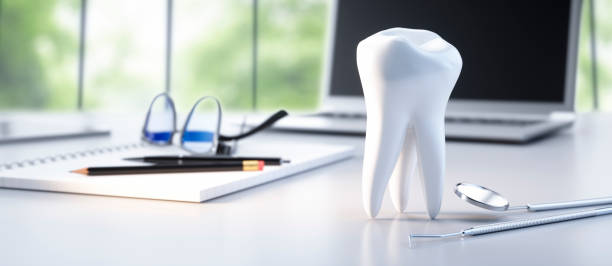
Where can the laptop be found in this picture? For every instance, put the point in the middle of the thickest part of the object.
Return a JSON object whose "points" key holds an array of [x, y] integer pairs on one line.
{"points": [[519, 65]]}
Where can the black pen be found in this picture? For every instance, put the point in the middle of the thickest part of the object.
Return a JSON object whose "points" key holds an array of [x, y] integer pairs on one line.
{"points": [[180, 159]]}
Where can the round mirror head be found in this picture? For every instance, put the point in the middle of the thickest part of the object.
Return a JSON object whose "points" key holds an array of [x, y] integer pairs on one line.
{"points": [[481, 197]]}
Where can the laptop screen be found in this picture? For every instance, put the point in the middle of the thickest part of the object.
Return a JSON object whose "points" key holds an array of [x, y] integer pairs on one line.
{"points": [[512, 50]]}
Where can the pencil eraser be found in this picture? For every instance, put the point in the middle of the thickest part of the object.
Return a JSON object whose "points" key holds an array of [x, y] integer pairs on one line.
{"points": [[261, 165]]}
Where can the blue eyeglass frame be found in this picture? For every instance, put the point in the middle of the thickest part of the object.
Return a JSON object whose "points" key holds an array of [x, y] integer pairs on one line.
{"points": [[159, 138], [165, 138], [203, 136]]}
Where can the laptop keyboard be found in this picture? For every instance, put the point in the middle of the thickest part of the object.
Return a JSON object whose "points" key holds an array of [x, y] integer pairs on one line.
{"points": [[449, 120], [342, 115], [492, 122]]}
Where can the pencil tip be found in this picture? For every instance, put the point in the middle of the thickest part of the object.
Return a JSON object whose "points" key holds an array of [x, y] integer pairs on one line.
{"points": [[82, 171], [286, 161]]}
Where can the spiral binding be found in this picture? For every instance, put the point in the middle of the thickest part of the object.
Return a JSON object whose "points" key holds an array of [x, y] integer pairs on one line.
{"points": [[70, 156]]}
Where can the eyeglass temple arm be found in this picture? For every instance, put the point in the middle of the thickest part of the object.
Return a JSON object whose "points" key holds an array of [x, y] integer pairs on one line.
{"points": [[269, 122]]}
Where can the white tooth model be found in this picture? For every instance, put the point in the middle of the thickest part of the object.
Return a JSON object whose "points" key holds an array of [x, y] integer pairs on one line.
{"points": [[407, 77]]}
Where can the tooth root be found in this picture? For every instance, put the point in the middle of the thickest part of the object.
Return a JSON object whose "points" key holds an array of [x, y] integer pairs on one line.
{"points": [[431, 157], [405, 168], [382, 148]]}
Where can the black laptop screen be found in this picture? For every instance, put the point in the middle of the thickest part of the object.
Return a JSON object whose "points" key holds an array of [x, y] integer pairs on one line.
{"points": [[512, 50]]}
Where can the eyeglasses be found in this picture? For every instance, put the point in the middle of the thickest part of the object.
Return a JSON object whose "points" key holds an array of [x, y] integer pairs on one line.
{"points": [[200, 133]]}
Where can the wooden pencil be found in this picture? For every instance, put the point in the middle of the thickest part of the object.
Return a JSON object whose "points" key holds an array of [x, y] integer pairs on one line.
{"points": [[248, 165]]}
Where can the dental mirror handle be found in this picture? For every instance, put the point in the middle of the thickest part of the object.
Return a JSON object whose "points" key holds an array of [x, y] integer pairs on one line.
{"points": [[511, 225], [568, 204]]}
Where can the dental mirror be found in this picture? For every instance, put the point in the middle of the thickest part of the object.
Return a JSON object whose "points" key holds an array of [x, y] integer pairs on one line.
{"points": [[488, 199]]}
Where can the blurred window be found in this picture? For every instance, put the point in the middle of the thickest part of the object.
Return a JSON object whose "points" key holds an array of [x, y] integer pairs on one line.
{"points": [[212, 53], [125, 53], [38, 54]]}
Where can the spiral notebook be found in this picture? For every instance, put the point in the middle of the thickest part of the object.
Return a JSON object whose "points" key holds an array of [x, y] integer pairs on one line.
{"points": [[53, 173]]}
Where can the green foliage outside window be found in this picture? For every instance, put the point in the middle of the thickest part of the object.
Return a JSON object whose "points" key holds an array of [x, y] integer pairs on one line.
{"points": [[38, 54], [211, 56], [212, 48]]}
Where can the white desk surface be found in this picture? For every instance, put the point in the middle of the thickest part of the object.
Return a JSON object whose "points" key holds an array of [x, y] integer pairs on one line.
{"points": [[317, 218]]}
